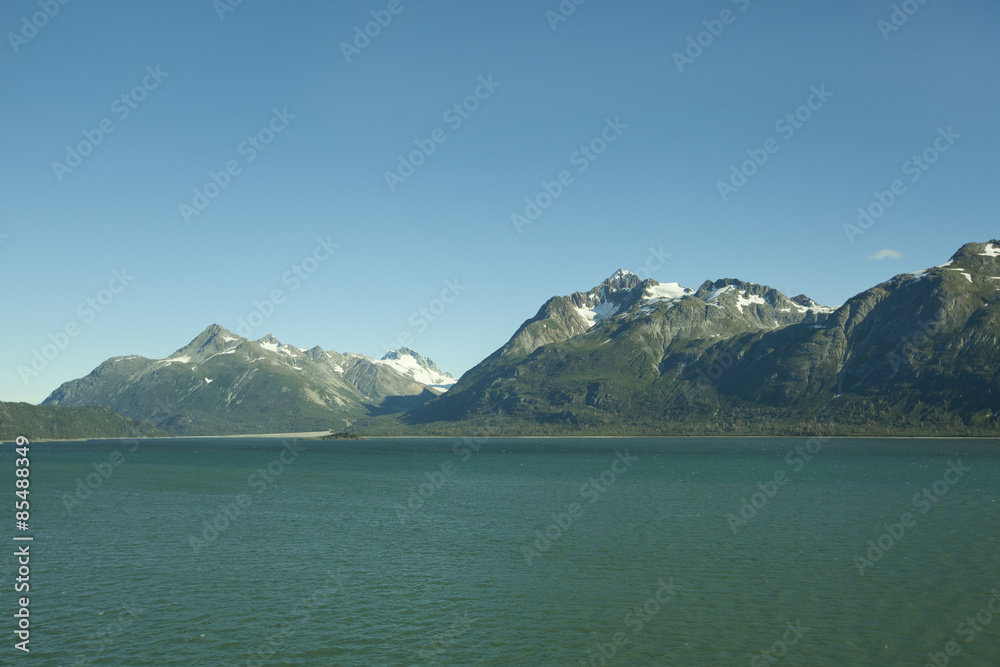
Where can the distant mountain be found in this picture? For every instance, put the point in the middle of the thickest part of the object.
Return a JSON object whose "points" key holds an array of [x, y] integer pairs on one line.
{"points": [[917, 354], [419, 369], [54, 423], [221, 383]]}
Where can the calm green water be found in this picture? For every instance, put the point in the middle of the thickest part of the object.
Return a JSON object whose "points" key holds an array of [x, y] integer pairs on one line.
{"points": [[333, 560]]}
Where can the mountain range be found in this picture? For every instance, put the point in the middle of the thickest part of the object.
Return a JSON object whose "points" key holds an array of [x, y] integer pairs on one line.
{"points": [[221, 383], [916, 354]]}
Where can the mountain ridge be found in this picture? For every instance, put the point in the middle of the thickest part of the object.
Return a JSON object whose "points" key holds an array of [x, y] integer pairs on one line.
{"points": [[221, 383], [736, 357]]}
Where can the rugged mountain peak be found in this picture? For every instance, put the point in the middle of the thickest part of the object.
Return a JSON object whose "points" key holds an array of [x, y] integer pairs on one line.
{"points": [[607, 291], [422, 370], [272, 344], [803, 301], [316, 353], [622, 279], [615, 295], [399, 353], [216, 330], [213, 340], [981, 260], [211, 333], [978, 252]]}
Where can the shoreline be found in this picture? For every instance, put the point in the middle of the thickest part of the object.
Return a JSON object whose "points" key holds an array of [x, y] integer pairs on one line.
{"points": [[316, 435]]}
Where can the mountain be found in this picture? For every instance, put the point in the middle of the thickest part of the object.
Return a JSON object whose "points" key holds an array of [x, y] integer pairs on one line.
{"points": [[419, 369], [917, 354], [221, 383], [54, 423]]}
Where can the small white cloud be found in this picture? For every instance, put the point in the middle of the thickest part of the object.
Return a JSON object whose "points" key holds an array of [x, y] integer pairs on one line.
{"points": [[887, 254]]}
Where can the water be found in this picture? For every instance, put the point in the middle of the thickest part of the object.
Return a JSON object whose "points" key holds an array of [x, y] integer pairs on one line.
{"points": [[333, 560]]}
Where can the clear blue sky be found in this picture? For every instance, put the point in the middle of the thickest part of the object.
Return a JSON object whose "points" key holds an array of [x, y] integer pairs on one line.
{"points": [[323, 175]]}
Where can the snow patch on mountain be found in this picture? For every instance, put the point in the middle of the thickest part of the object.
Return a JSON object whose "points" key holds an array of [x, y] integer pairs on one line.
{"points": [[408, 366], [666, 292], [990, 251], [597, 313], [719, 292], [175, 360], [963, 272], [408, 363], [747, 299]]}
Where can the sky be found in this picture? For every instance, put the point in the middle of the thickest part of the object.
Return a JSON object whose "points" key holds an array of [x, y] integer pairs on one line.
{"points": [[270, 167]]}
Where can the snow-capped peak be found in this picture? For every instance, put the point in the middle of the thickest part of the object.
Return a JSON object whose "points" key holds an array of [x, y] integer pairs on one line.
{"points": [[409, 364], [620, 274]]}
